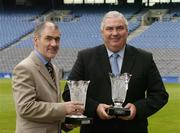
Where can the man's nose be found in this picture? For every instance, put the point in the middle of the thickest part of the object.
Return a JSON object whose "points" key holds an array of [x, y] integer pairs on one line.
{"points": [[114, 32], [54, 42]]}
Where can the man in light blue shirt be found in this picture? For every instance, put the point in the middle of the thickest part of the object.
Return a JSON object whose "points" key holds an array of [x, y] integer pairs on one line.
{"points": [[36, 92]]}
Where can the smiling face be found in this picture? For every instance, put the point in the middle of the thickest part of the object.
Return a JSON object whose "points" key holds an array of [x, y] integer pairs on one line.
{"points": [[47, 41], [114, 33]]}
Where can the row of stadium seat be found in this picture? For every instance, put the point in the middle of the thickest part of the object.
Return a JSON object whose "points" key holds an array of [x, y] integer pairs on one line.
{"points": [[85, 32], [159, 35]]}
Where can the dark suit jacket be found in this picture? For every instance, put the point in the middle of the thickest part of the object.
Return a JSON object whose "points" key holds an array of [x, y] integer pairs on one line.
{"points": [[146, 90]]}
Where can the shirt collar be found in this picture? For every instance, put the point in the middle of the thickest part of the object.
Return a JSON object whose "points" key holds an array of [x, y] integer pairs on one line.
{"points": [[120, 53], [41, 57]]}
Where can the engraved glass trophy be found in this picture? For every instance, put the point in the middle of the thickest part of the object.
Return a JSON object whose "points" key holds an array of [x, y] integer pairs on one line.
{"points": [[78, 91], [119, 86]]}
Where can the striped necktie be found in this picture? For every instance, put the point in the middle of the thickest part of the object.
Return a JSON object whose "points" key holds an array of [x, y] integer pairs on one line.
{"points": [[50, 69]]}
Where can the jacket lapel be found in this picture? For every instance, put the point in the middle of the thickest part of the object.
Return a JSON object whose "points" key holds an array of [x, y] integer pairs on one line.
{"points": [[104, 60], [129, 59], [58, 75], [43, 70], [47, 76]]}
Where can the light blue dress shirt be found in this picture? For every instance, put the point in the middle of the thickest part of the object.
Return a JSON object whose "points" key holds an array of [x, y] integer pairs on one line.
{"points": [[120, 57], [44, 61]]}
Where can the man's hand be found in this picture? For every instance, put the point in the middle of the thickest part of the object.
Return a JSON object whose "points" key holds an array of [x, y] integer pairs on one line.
{"points": [[73, 108], [101, 111], [132, 108]]}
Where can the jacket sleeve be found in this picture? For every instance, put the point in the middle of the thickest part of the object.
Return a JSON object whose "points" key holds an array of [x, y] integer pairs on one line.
{"points": [[156, 95], [28, 106]]}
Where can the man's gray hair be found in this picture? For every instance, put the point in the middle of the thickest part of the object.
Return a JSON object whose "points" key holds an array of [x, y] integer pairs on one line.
{"points": [[113, 14], [40, 27]]}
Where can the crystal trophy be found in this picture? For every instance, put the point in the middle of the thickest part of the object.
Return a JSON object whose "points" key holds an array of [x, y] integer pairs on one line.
{"points": [[119, 86], [78, 91]]}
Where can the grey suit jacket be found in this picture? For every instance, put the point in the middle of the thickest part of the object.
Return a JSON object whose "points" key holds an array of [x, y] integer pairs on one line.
{"points": [[36, 97]]}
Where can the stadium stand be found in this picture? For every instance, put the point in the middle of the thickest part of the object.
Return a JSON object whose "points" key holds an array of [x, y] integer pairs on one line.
{"points": [[162, 39], [76, 35], [16, 23], [81, 29]]}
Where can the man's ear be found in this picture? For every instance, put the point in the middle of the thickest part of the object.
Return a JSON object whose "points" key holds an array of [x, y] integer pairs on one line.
{"points": [[35, 39], [102, 34], [101, 31]]}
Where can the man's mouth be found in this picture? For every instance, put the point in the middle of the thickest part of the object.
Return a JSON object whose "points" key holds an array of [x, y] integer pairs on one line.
{"points": [[115, 39]]}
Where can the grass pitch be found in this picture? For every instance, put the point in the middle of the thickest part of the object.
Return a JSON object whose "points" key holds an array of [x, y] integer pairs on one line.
{"points": [[167, 120]]}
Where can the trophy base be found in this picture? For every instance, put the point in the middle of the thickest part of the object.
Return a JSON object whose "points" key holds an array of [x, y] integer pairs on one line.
{"points": [[78, 120], [114, 111]]}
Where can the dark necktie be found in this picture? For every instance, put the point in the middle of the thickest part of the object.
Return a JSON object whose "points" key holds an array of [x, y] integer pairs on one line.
{"points": [[50, 70]]}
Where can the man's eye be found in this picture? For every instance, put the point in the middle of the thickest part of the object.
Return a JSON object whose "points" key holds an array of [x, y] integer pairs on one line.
{"points": [[49, 38], [120, 28], [109, 29], [57, 39]]}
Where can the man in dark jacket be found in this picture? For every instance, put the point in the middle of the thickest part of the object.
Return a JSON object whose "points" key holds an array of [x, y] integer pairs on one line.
{"points": [[146, 93]]}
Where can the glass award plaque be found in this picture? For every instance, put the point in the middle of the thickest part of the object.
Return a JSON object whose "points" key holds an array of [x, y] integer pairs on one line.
{"points": [[78, 91], [119, 87]]}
